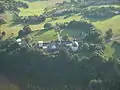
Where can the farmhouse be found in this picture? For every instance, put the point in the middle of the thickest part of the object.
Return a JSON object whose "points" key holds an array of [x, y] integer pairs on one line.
{"points": [[22, 43]]}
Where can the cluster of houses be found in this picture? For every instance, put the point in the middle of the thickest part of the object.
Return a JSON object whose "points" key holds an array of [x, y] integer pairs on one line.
{"points": [[51, 46]]}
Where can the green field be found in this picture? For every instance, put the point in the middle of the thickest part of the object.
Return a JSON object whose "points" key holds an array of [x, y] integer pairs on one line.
{"points": [[40, 35], [109, 23], [37, 8]]}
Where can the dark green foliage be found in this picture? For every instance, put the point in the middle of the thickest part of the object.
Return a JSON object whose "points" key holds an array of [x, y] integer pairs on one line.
{"points": [[30, 19], [3, 33], [94, 36], [48, 26], [100, 13], [95, 84], [11, 5], [2, 21], [83, 26], [109, 34], [65, 68], [65, 37], [26, 30]]}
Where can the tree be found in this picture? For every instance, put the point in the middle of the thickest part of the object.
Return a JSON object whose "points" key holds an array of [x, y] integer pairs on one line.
{"points": [[82, 25], [3, 33], [86, 46], [109, 34], [48, 26], [26, 30], [2, 21], [96, 84], [65, 37], [94, 36]]}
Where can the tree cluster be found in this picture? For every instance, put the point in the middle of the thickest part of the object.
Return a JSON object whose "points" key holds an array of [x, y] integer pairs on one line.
{"points": [[100, 13], [30, 19], [64, 70], [11, 5], [26, 30], [82, 25]]}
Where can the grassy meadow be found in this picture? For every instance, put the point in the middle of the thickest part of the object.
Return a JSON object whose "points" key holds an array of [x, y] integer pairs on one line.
{"points": [[37, 8]]}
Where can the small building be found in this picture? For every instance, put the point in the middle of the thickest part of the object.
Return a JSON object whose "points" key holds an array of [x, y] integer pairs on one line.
{"points": [[45, 43], [40, 44], [75, 46], [52, 47], [22, 43], [19, 41]]}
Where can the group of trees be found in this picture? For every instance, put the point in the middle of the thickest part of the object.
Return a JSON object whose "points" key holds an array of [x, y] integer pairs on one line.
{"points": [[65, 70], [26, 30], [48, 26], [100, 13], [30, 19], [109, 34], [2, 34], [11, 5], [94, 36], [82, 25]]}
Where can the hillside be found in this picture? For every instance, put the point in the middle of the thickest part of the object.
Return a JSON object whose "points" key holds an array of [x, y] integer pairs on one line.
{"points": [[59, 44], [38, 7]]}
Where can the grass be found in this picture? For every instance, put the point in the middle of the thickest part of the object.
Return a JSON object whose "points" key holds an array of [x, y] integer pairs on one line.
{"points": [[43, 35], [37, 8], [112, 23], [112, 50], [116, 50], [71, 32], [62, 20], [109, 51]]}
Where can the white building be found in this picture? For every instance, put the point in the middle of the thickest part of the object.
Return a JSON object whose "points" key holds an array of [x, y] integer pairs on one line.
{"points": [[40, 44], [75, 46]]}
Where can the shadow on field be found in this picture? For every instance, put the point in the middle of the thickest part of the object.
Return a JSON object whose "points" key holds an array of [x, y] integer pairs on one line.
{"points": [[95, 19], [28, 23], [39, 32], [14, 24]]}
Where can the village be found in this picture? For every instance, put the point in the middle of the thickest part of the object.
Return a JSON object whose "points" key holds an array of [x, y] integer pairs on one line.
{"points": [[52, 46], [59, 44]]}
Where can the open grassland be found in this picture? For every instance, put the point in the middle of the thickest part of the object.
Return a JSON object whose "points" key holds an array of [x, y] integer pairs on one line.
{"points": [[113, 23], [112, 50], [62, 20], [37, 8], [40, 35]]}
